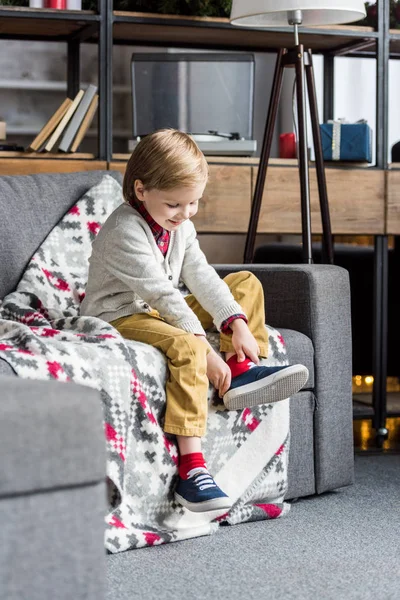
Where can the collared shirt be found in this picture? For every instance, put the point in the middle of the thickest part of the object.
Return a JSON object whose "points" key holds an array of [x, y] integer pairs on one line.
{"points": [[162, 237]]}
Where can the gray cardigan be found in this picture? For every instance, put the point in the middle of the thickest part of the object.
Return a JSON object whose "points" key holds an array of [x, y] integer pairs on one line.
{"points": [[128, 274]]}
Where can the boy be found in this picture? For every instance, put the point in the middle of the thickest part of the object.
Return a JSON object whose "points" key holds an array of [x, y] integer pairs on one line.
{"points": [[144, 250]]}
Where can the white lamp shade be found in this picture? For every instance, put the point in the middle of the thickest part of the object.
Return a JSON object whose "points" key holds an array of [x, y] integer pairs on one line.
{"points": [[274, 13]]}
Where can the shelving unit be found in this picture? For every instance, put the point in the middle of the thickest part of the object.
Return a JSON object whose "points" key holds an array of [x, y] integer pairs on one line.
{"points": [[109, 27]]}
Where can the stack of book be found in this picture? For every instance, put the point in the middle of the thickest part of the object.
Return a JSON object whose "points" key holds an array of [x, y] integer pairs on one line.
{"points": [[66, 128]]}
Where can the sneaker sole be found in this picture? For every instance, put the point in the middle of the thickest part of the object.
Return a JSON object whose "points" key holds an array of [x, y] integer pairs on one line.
{"points": [[273, 388], [206, 506]]}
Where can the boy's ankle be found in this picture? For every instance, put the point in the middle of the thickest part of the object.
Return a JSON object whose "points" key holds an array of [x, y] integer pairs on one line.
{"points": [[237, 368], [188, 462]]}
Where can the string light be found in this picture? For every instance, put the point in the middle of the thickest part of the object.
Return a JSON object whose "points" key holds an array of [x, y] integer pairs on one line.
{"points": [[362, 383]]}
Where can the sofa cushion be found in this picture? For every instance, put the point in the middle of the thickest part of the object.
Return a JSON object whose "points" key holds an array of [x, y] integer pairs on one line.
{"points": [[30, 206], [300, 350]]}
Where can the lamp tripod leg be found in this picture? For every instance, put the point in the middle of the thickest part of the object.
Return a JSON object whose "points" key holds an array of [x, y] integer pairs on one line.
{"points": [[303, 156], [327, 246], [264, 158]]}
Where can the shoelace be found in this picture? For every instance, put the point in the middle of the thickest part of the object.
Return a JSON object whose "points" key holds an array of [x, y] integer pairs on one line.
{"points": [[201, 478]]}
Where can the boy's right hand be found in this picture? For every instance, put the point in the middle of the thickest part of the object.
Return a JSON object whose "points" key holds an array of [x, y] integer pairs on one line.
{"points": [[218, 372]]}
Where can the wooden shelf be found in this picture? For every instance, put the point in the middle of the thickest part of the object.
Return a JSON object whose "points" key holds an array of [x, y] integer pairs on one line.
{"points": [[356, 199], [362, 201], [276, 162], [43, 24], [51, 164], [212, 33], [174, 30], [47, 155], [393, 201], [237, 160], [185, 32]]}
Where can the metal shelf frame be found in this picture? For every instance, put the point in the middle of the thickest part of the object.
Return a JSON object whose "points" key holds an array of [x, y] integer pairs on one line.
{"points": [[381, 268]]}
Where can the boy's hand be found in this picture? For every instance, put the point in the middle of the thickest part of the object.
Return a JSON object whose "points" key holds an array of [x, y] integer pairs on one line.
{"points": [[218, 373], [244, 342]]}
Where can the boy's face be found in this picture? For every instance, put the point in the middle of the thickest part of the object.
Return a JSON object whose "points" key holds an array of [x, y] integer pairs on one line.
{"points": [[170, 208]]}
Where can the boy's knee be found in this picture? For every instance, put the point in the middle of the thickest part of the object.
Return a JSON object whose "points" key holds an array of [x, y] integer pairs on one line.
{"points": [[193, 345], [248, 276]]}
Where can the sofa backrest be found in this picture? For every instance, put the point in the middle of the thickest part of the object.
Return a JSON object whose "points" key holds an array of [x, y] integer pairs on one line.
{"points": [[30, 206]]}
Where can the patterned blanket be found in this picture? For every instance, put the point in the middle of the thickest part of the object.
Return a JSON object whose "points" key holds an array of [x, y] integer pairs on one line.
{"points": [[42, 336]]}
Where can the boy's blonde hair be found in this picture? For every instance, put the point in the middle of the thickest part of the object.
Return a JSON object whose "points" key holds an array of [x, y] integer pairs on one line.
{"points": [[163, 160]]}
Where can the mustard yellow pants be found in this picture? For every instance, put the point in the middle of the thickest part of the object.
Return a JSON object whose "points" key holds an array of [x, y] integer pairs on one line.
{"points": [[187, 385]]}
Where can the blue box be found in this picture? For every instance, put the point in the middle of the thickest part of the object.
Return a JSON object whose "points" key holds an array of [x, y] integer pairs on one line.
{"points": [[346, 141]]}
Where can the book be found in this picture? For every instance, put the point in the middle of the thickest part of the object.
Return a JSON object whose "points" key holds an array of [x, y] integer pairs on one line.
{"points": [[64, 121], [50, 125], [88, 118], [75, 122]]}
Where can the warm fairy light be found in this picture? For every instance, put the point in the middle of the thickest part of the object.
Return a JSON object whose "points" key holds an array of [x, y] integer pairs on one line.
{"points": [[365, 434], [363, 383]]}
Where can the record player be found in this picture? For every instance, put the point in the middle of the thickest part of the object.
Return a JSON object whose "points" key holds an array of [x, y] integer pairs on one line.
{"points": [[215, 143], [203, 94]]}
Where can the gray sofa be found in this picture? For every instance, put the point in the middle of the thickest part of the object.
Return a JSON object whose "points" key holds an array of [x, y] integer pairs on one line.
{"points": [[50, 502]]}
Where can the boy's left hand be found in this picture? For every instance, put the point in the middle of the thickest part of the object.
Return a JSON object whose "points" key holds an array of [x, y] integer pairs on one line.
{"points": [[244, 342]]}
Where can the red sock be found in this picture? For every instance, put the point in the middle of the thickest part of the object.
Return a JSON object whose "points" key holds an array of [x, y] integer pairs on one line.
{"points": [[237, 368], [187, 462]]}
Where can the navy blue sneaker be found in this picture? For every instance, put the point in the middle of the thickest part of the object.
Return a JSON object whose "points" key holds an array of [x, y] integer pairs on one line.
{"points": [[264, 385], [200, 493]]}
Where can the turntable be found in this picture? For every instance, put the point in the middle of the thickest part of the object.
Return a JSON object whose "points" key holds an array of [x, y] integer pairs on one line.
{"points": [[203, 94], [215, 143]]}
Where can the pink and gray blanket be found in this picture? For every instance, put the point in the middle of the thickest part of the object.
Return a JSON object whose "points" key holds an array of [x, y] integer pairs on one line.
{"points": [[42, 336]]}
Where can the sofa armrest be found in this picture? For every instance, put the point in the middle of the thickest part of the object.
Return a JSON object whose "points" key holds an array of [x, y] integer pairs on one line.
{"points": [[51, 435], [315, 300], [52, 490]]}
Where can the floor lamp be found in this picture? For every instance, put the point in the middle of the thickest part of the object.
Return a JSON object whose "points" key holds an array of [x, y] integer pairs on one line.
{"points": [[281, 13]]}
